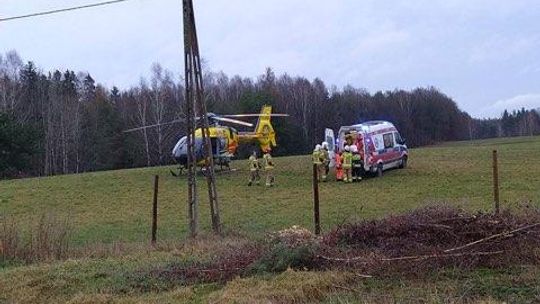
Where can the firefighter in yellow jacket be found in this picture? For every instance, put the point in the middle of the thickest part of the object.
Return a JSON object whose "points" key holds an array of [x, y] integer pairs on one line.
{"points": [[325, 158], [316, 158], [347, 165], [254, 167], [269, 168]]}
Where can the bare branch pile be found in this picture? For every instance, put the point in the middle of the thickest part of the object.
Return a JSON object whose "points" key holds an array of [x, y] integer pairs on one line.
{"points": [[432, 238]]}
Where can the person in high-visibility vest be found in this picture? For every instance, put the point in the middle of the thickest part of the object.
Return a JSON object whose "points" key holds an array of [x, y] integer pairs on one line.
{"points": [[347, 164], [356, 164], [316, 158], [325, 159], [254, 167], [269, 168], [339, 169]]}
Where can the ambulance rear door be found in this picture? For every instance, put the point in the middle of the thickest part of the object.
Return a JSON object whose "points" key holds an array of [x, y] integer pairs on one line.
{"points": [[331, 140]]}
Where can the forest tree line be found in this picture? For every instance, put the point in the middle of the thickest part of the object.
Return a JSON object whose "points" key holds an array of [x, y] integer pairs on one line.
{"points": [[62, 122]]}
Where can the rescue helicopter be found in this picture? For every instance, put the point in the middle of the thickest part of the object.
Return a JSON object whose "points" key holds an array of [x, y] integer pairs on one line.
{"points": [[225, 140]]}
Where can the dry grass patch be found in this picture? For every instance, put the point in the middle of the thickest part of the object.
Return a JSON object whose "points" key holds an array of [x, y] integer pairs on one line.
{"points": [[288, 287], [179, 295]]}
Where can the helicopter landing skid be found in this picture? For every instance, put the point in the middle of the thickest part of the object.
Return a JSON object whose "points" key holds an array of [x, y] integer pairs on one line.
{"points": [[180, 171]]}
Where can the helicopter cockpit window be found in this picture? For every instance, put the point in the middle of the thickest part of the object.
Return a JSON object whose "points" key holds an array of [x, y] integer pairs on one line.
{"points": [[180, 147]]}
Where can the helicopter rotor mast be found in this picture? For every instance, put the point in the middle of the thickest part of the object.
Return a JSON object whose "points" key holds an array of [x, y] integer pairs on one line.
{"points": [[195, 102]]}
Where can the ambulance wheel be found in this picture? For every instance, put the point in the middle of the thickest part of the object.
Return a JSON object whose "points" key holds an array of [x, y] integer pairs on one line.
{"points": [[403, 163], [379, 170]]}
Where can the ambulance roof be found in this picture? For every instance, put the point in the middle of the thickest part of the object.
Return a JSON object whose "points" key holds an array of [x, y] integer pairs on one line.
{"points": [[370, 126]]}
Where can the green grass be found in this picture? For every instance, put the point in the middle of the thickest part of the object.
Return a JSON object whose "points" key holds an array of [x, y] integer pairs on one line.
{"points": [[116, 205]]}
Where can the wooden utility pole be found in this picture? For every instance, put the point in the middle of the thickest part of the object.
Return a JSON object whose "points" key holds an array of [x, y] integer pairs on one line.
{"points": [[496, 181], [196, 110], [316, 214], [190, 126]]}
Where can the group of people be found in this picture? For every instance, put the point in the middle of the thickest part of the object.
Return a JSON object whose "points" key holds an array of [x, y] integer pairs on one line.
{"points": [[349, 163], [255, 166]]}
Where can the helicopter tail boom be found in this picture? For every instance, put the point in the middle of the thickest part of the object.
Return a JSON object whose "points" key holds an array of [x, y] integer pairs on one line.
{"points": [[264, 132]]}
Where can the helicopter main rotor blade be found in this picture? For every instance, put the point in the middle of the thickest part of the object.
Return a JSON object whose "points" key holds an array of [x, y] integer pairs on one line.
{"points": [[209, 115], [234, 121], [153, 126], [256, 115]]}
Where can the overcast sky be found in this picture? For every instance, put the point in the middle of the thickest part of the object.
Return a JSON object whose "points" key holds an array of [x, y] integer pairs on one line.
{"points": [[483, 53]]}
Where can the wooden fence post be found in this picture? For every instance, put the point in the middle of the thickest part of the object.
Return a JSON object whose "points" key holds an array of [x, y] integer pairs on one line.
{"points": [[316, 213], [154, 210], [496, 181]]}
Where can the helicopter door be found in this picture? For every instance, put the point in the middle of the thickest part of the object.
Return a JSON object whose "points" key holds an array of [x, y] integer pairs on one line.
{"points": [[331, 140], [222, 145], [215, 145]]}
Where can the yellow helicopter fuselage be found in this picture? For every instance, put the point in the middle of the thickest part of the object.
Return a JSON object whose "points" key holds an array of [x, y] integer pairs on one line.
{"points": [[227, 135], [225, 140]]}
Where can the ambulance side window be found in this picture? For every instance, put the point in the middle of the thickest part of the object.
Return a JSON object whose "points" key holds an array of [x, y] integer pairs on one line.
{"points": [[388, 140], [399, 141], [377, 142]]}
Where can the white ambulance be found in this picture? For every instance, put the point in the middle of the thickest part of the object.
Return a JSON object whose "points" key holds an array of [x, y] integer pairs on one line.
{"points": [[379, 143]]}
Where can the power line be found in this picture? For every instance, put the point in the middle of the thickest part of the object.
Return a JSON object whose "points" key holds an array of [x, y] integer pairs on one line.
{"points": [[62, 10]]}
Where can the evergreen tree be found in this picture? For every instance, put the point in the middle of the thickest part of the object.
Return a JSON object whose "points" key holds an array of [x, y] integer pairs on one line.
{"points": [[18, 143]]}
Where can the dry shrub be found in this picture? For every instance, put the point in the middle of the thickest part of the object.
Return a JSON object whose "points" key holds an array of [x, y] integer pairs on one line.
{"points": [[292, 248], [429, 232], [293, 237], [227, 263], [47, 240], [10, 240]]}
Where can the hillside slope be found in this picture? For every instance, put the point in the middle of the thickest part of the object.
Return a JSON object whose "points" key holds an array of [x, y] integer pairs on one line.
{"points": [[116, 205]]}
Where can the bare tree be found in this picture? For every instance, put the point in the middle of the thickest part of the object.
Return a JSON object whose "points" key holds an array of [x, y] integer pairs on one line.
{"points": [[11, 68], [142, 116]]}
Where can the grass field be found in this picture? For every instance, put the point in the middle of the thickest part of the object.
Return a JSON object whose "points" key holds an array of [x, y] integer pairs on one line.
{"points": [[115, 207]]}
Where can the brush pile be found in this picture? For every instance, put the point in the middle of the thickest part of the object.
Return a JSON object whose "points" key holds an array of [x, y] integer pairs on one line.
{"points": [[432, 238]]}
